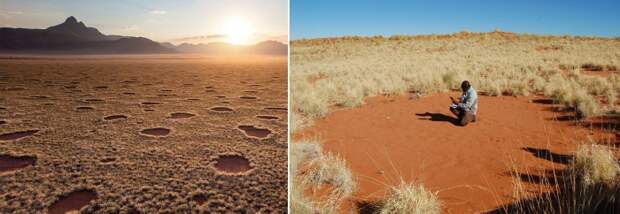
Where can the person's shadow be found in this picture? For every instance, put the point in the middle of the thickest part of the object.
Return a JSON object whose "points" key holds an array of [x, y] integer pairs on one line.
{"points": [[438, 117]]}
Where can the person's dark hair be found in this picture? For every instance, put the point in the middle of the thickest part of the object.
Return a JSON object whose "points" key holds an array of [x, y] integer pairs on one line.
{"points": [[465, 85]]}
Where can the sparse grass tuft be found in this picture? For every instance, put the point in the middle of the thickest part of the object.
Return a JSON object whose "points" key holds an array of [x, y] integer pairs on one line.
{"points": [[410, 198], [331, 170], [311, 170], [596, 164]]}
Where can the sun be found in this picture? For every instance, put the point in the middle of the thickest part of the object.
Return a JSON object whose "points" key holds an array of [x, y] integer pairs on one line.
{"points": [[238, 31]]}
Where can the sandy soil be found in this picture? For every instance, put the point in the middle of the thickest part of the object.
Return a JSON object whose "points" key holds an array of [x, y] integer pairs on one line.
{"points": [[389, 138], [110, 135]]}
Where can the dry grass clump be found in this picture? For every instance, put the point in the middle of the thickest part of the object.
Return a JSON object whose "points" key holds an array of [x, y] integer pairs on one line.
{"points": [[590, 184], [311, 170], [496, 63], [410, 198], [596, 164], [581, 92]]}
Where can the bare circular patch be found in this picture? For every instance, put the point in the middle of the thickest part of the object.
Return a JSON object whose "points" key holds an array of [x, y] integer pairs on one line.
{"points": [[267, 117], [221, 109], [200, 199], [39, 97], [94, 100], [248, 97], [84, 108], [115, 117], [17, 135], [108, 159], [156, 131], [150, 103], [10, 163], [73, 202], [232, 164], [181, 115], [253, 131], [276, 108]]}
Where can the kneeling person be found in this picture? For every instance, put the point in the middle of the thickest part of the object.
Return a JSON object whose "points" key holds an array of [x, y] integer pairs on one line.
{"points": [[465, 108]]}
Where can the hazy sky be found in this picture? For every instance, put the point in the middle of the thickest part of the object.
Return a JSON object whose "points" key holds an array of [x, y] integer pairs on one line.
{"points": [[160, 20], [321, 18]]}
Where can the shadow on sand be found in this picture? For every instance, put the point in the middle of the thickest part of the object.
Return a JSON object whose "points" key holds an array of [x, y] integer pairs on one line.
{"points": [[438, 117], [549, 155], [368, 207], [568, 195]]}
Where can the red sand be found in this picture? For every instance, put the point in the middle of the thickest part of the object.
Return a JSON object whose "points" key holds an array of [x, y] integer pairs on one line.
{"points": [[384, 140]]}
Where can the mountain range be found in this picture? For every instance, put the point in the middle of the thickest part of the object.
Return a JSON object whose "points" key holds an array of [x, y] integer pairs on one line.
{"points": [[74, 37]]}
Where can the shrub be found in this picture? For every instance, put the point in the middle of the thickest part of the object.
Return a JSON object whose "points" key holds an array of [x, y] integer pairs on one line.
{"points": [[585, 104]]}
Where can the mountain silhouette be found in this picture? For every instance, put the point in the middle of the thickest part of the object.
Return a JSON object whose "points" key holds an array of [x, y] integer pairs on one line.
{"points": [[78, 29], [73, 36], [262, 48]]}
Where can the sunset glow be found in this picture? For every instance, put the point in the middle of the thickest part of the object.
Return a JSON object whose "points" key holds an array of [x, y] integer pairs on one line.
{"points": [[238, 31]]}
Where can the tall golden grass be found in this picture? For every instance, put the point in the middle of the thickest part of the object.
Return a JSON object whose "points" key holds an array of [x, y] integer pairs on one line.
{"points": [[342, 71]]}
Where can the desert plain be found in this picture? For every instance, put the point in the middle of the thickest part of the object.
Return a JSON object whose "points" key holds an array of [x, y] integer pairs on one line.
{"points": [[143, 134]]}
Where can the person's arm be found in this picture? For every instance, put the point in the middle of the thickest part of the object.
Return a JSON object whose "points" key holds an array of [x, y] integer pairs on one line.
{"points": [[454, 101]]}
